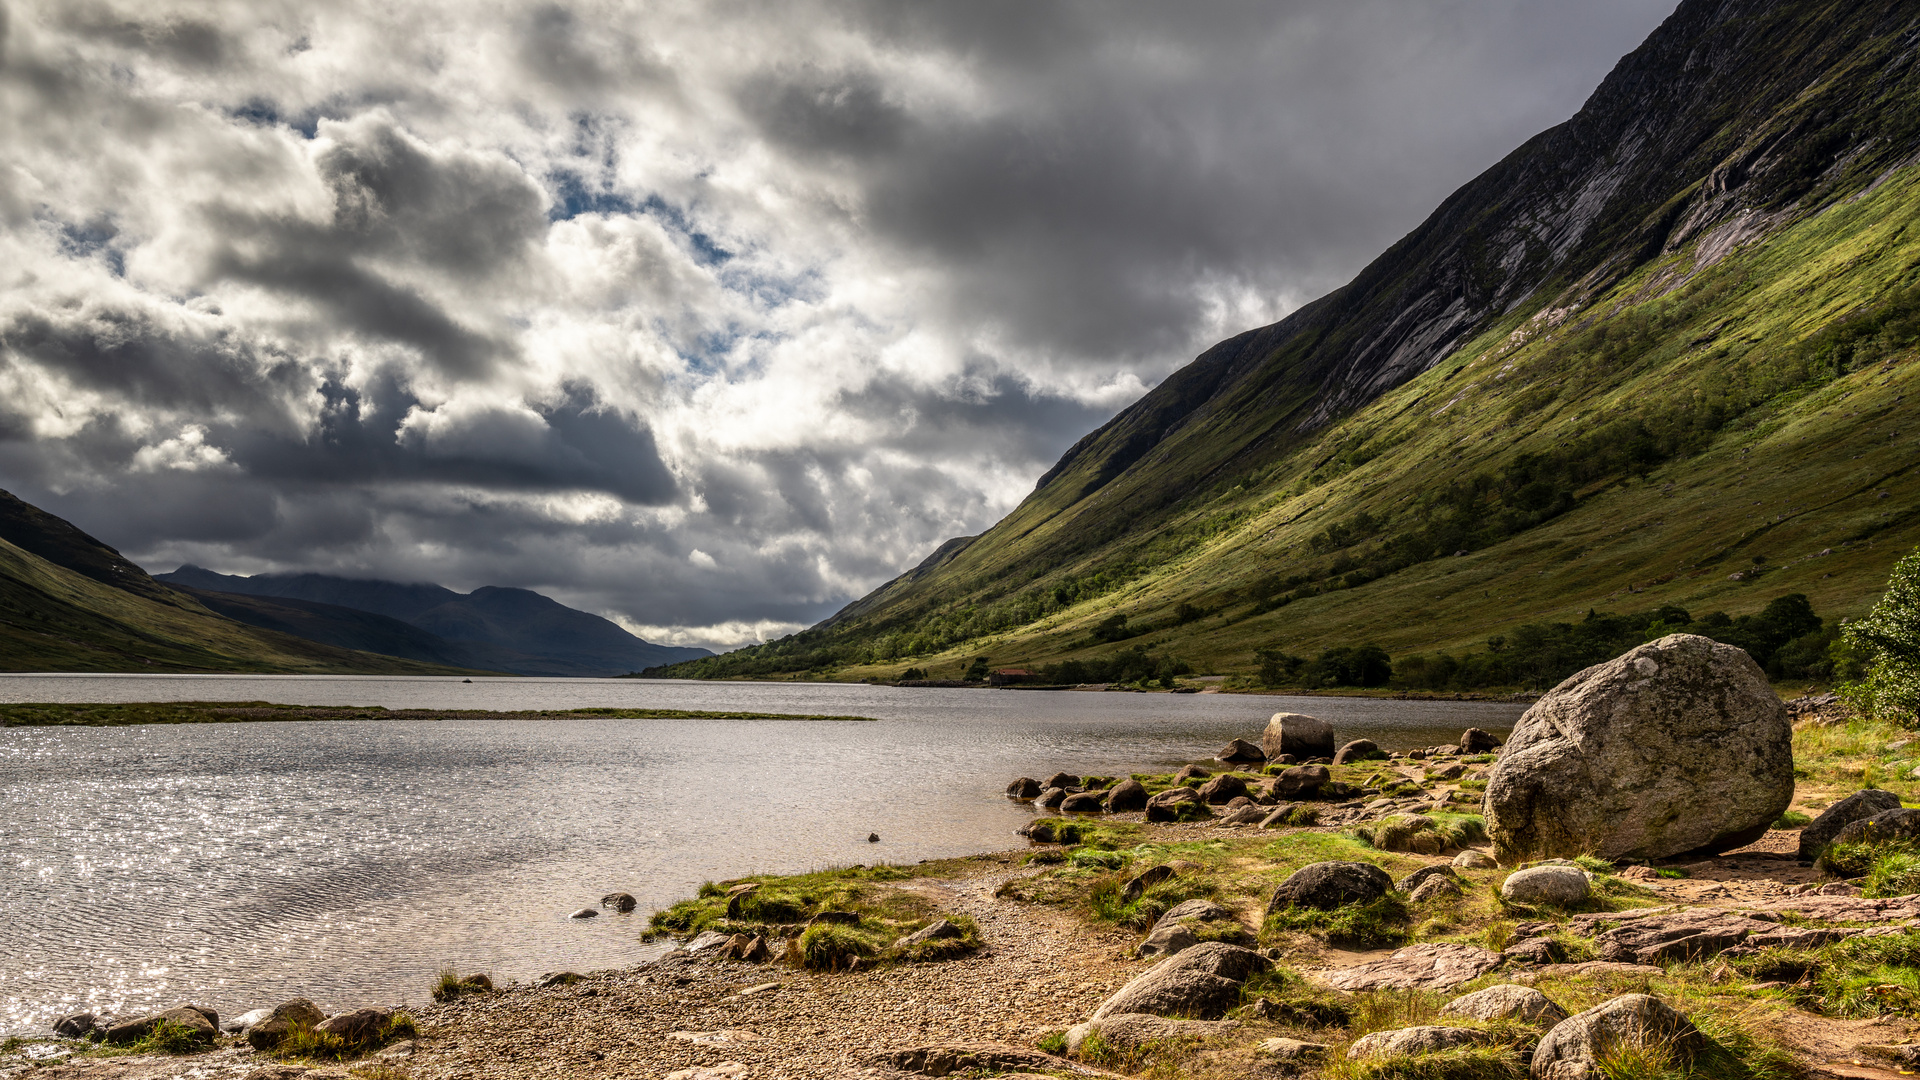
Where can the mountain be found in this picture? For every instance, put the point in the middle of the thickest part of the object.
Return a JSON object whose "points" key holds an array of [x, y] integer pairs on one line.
{"points": [[1655, 357], [512, 630], [70, 603]]}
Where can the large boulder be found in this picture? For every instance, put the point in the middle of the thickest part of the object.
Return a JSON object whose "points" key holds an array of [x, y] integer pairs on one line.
{"points": [[1305, 737], [1126, 796], [1202, 983], [1570, 1051], [1818, 833], [1330, 885], [1677, 746], [360, 1027]]}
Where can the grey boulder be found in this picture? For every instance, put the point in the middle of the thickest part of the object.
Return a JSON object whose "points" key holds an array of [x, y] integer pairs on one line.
{"points": [[1570, 1051], [1166, 941], [1677, 746], [1559, 886], [1425, 1039], [360, 1027], [1303, 736], [1132, 1031], [1819, 832], [1506, 1002], [1201, 982], [1435, 966]]}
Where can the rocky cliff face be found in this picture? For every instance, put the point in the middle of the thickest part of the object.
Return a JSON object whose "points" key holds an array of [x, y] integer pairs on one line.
{"points": [[1629, 259]]}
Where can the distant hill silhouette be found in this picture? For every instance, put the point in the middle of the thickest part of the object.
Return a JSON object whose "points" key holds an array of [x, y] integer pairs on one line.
{"points": [[497, 629]]}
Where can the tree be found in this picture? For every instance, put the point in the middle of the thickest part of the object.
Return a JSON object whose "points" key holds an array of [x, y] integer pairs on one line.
{"points": [[1889, 641]]}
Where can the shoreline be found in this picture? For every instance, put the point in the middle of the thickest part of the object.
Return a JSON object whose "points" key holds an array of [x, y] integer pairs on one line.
{"points": [[41, 714]]}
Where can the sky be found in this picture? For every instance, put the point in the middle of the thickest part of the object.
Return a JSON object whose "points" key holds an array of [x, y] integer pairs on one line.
{"points": [[707, 317]]}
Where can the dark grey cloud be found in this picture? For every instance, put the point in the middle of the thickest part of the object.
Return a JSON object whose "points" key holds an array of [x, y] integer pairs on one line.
{"points": [[708, 316]]}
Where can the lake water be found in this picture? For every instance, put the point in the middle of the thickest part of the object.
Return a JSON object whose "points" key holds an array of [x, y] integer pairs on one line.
{"points": [[237, 865]]}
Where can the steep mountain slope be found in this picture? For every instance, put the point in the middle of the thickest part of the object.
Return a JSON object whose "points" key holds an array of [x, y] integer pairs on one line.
{"points": [[71, 603], [1656, 342], [512, 630]]}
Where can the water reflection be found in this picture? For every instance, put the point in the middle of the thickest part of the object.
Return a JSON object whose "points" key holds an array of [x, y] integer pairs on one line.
{"points": [[239, 864]]}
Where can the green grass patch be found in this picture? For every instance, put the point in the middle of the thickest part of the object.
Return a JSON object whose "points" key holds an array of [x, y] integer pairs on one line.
{"points": [[168, 1037], [1381, 924], [1792, 819]]}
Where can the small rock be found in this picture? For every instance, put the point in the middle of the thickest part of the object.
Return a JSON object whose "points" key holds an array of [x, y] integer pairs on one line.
{"points": [[1506, 1002], [1472, 859], [751, 948], [1357, 750], [873, 838], [361, 1027], [1246, 815], [1146, 879], [726, 1070], [1191, 772], [75, 1026], [1084, 802], [1293, 1051], [246, 1020], [938, 930], [585, 913], [1132, 1031], [558, 978], [478, 981], [1418, 877], [1329, 885], [1241, 750], [1024, 788], [706, 941], [1051, 797], [1061, 780], [1434, 889], [1560, 886], [1478, 741], [1425, 1039], [1127, 796], [1166, 941], [1222, 789], [619, 901]]}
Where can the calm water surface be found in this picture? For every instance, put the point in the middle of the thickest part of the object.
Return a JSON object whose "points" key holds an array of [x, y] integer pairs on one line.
{"points": [[236, 865]]}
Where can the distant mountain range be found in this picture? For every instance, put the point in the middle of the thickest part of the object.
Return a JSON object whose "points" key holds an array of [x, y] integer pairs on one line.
{"points": [[70, 603], [496, 629]]}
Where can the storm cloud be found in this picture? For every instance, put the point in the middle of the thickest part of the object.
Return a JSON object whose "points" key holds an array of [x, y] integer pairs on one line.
{"points": [[705, 316]]}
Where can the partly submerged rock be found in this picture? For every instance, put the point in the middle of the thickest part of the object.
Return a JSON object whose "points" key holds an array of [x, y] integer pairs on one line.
{"points": [[1679, 745]]}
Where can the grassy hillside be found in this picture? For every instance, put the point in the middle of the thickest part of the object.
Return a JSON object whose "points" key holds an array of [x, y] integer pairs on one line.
{"points": [[1707, 381], [56, 619]]}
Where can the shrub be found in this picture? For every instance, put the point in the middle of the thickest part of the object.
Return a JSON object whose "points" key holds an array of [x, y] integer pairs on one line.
{"points": [[1888, 640], [833, 946], [168, 1037]]}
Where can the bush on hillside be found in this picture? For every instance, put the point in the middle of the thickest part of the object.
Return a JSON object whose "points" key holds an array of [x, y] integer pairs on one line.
{"points": [[1888, 640]]}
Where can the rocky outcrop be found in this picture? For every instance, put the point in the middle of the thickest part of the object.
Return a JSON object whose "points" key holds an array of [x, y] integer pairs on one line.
{"points": [[1817, 834], [1571, 1049], [1330, 885], [1202, 982], [1418, 967], [1677, 746], [1305, 737]]}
